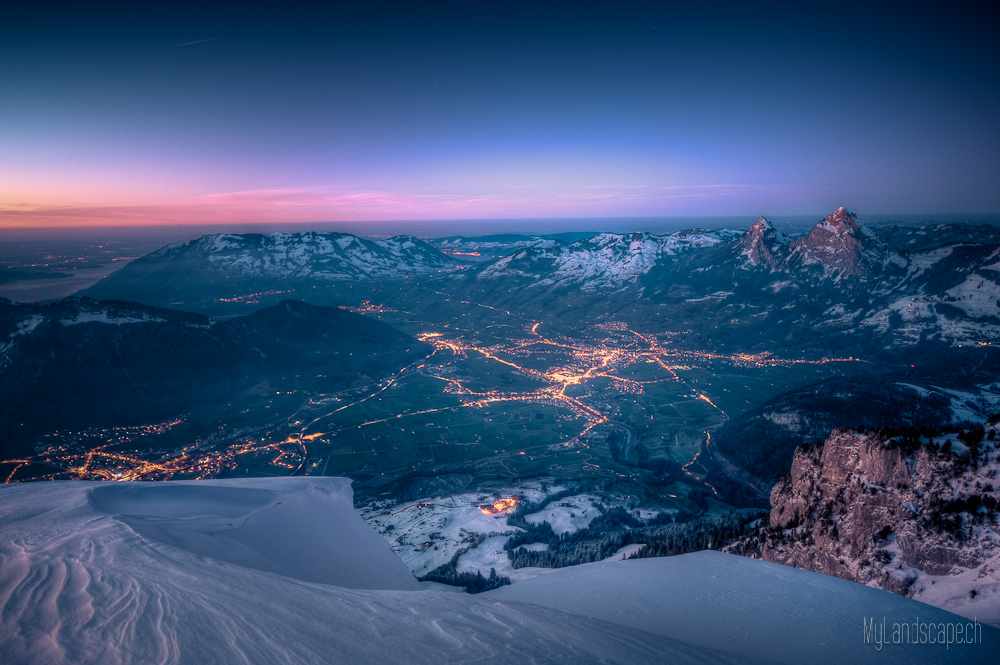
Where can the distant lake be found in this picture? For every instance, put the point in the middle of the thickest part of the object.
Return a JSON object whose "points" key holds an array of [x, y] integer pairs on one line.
{"points": [[26, 290]]}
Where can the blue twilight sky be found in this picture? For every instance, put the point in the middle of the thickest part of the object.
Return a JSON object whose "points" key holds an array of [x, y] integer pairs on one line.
{"points": [[168, 114]]}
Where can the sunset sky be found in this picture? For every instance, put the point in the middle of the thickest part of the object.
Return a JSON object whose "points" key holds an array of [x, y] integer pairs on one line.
{"points": [[169, 115]]}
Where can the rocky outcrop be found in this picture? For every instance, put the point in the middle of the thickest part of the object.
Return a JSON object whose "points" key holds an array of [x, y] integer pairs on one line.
{"points": [[844, 247], [909, 514], [763, 245]]}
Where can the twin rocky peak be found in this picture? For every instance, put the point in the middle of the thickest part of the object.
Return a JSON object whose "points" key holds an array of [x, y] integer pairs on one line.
{"points": [[839, 243]]}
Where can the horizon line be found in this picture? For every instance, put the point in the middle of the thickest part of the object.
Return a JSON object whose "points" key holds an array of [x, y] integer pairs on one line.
{"points": [[872, 217]]}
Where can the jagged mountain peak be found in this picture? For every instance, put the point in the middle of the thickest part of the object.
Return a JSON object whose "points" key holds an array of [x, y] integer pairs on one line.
{"points": [[763, 229], [840, 221], [762, 244], [845, 247]]}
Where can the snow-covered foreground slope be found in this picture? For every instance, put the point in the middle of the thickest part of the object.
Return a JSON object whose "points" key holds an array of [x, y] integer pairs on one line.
{"points": [[746, 606], [230, 571], [284, 571]]}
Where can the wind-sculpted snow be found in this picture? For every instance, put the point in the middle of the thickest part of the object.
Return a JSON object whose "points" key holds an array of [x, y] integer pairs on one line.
{"points": [[163, 573]]}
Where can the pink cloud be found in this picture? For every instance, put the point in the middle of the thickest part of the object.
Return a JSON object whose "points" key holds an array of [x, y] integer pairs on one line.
{"points": [[309, 205]]}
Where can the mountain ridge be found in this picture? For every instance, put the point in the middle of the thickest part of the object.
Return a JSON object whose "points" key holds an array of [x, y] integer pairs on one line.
{"points": [[841, 282]]}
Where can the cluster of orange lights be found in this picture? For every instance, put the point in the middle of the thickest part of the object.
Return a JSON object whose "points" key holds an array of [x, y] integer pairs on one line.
{"points": [[252, 298], [366, 307], [499, 507], [589, 361]]}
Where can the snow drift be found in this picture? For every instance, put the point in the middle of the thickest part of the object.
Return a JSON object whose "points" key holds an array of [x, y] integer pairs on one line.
{"points": [[310, 533], [284, 571]]}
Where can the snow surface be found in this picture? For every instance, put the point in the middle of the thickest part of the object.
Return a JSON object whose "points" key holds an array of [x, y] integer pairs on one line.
{"points": [[104, 317], [427, 533], [488, 554], [966, 407], [747, 607], [568, 515], [257, 570], [976, 296], [919, 315], [86, 576], [28, 324]]}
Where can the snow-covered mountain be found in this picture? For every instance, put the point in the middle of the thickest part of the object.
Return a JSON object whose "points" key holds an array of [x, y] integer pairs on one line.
{"points": [[845, 248], [839, 247], [282, 570], [843, 282], [841, 277], [321, 256], [491, 248], [605, 261], [227, 265], [841, 263], [78, 363]]}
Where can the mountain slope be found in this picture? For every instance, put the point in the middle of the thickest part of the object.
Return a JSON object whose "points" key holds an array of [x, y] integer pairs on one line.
{"points": [[80, 363], [762, 440], [605, 261]]}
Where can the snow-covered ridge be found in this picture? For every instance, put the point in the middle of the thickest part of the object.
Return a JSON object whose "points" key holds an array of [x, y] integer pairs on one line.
{"points": [[607, 260], [469, 244], [106, 317], [76, 311], [324, 256]]}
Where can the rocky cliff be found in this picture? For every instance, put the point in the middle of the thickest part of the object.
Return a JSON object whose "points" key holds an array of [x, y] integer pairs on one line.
{"points": [[910, 512]]}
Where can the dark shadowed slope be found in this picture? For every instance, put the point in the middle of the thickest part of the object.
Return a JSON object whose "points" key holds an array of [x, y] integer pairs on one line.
{"points": [[80, 363]]}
